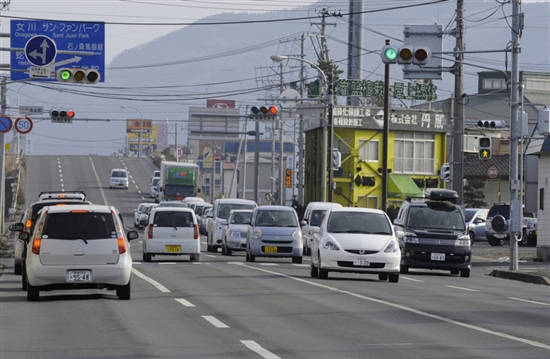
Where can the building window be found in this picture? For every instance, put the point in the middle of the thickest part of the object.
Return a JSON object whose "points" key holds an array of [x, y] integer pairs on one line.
{"points": [[541, 199], [414, 153], [539, 84], [494, 84], [342, 145], [369, 151]]}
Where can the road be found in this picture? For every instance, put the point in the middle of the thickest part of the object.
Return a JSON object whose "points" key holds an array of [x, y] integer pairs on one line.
{"points": [[224, 307]]}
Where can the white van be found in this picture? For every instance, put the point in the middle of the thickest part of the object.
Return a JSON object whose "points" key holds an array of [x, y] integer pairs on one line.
{"points": [[312, 218], [118, 178], [171, 231]]}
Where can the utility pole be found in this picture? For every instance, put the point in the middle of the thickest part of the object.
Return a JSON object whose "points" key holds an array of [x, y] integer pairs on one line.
{"points": [[282, 188], [457, 156], [4, 106], [300, 177], [355, 41]]}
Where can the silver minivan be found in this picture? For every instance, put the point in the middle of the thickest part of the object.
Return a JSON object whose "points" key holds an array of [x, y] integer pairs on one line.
{"points": [[118, 178]]}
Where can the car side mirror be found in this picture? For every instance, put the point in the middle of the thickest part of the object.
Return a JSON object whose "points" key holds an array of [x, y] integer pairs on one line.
{"points": [[398, 222], [132, 235], [247, 221], [24, 236], [17, 227], [399, 233], [303, 222]]}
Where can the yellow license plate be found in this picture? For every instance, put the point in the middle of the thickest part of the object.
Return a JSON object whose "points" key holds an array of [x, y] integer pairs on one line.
{"points": [[173, 249], [270, 249]]}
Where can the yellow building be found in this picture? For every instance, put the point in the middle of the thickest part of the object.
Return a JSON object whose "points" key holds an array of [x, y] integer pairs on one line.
{"points": [[416, 152]]}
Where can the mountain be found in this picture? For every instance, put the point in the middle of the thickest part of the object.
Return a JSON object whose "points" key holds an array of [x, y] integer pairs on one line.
{"points": [[160, 79]]}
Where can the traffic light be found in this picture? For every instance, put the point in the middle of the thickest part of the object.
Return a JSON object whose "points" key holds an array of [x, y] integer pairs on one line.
{"points": [[484, 148], [336, 159], [416, 55], [77, 75], [364, 180], [264, 112], [62, 115], [492, 123], [445, 172], [288, 178]]}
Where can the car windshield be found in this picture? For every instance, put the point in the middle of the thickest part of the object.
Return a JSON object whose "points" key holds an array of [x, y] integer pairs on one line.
{"points": [[85, 225], [155, 181], [173, 190], [240, 217], [224, 209], [118, 174], [316, 216], [436, 217], [469, 215], [275, 218], [359, 222]]}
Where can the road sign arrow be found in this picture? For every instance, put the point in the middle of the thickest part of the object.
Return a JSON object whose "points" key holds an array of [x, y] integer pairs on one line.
{"points": [[75, 59], [44, 46]]}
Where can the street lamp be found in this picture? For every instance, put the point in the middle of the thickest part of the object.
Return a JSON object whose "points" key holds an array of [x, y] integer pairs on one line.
{"points": [[140, 128], [329, 100]]}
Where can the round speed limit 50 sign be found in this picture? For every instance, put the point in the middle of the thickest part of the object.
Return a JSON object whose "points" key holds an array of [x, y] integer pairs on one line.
{"points": [[23, 125]]}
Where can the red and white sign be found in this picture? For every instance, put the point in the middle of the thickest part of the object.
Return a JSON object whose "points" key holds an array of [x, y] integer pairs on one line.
{"points": [[218, 157], [220, 103], [23, 125], [492, 172]]}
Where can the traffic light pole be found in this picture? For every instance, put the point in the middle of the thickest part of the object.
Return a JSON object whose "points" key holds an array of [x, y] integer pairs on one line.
{"points": [[330, 87], [385, 137]]}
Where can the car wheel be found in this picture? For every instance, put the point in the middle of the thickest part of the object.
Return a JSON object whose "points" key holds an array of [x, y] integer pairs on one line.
{"points": [[465, 273], [297, 260], [17, 268], [32, 293], [228, 251], [147, 257], [472, 237], [195, 257], [493, 242], [383, 276], [23, 278], [223, 250], [394, 278], [123, 292], [404, 270], [313, 271], [321, 273]]}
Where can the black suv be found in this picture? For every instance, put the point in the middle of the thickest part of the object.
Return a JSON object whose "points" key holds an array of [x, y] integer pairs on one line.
{"points": [[436, 236], [498, 226]]}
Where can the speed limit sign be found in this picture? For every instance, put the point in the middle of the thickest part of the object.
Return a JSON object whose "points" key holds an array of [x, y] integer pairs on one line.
{"points": [[23, 125]]}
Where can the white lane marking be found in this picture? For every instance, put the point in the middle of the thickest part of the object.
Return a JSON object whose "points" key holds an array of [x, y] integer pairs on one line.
{"points": [[215, 322], [255, 347], [99, 183], [269, 264], [152, 281], [165, 263], [184, 302], [528, 301], [462, 288], [301, 265], [408, 309], [411, 279]]}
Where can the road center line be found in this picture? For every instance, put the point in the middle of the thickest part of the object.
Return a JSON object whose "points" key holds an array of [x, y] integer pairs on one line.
{"points": [[184, 302], [462, 288], [215, 322], [99, 183], [152, 281], [255, 347], [408, 309]]}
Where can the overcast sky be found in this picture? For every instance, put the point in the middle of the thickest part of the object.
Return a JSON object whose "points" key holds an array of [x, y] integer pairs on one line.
{"points": [[125, 19]]}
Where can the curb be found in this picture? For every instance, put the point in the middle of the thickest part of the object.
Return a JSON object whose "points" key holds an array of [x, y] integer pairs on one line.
{"points": [[523, 277]]}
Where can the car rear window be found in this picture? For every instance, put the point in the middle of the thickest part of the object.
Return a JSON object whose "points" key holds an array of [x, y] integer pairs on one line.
{"points": [[119, 174], [173, 219], [504, 211], [80, 225]]}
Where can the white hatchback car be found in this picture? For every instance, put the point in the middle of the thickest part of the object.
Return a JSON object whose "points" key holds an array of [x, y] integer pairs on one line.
{"points": [[78, 247], [356, 240], [172, 231]]}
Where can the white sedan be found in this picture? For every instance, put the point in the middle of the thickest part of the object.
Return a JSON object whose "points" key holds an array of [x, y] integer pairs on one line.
{"points": [[356, 240]]}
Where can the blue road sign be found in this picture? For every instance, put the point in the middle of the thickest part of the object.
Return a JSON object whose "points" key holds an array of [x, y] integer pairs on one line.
{"points": [[40, 50], [5, 124], [78, 44]]}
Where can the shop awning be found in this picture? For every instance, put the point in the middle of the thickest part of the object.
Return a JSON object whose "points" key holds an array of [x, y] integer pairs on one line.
{"points": [[401, 186]]}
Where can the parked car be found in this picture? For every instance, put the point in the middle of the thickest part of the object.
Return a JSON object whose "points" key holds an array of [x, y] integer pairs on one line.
{"points": [[530, 225], [436, 236], [118, 178], [218, 219], [498, 226], [476, 220], [172, 231], [312, 218], [234, 233], [356, 240], [274, 231], [78, 247]]}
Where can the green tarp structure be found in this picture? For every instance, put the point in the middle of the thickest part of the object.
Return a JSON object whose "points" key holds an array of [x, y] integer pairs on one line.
{"points": [[402, 186]]}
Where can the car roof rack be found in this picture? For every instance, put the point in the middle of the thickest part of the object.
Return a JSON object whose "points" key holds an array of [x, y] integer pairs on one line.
{"points": [[58, 194]]}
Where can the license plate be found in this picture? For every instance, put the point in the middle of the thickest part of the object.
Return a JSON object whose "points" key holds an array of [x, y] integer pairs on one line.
{"points": [[437, 256], [79, 276], [173, 249], [497, 235], [270, 249], [361, 262]]}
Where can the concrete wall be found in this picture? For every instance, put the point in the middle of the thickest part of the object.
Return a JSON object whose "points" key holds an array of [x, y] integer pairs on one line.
{"points": [[543, 238]]}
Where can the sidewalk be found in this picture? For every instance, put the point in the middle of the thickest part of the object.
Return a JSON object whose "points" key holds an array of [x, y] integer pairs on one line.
{"points": [[529, 271]]}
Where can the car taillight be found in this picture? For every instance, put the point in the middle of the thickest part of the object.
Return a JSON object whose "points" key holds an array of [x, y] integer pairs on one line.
{"points": [[150, 231], [28, 225], [121, 245], [196, 232], [36, 245]]}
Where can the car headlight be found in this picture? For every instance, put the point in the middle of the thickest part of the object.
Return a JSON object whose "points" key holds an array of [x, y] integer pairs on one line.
{"points": [[392, 247], [233, 234], [463, 241], [530, 225], [297, 235], [330, 245], [410, 238], [257, 234]]}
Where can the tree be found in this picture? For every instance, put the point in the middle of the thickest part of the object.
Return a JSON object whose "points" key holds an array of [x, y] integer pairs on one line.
{"points": [[473, 194]]}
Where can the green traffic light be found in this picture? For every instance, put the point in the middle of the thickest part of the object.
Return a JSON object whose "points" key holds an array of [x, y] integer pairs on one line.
{"points": [[390, 53], [65, 75]]}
